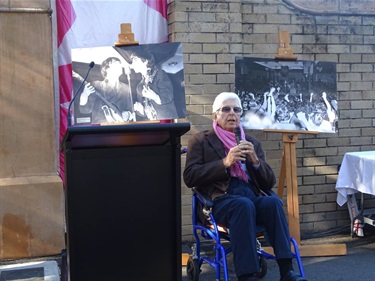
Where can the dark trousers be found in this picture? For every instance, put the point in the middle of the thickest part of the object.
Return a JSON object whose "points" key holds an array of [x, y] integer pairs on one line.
{"points": [[241, 210]]}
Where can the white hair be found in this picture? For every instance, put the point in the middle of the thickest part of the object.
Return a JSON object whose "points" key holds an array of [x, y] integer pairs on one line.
{"points": [[220, 98]]}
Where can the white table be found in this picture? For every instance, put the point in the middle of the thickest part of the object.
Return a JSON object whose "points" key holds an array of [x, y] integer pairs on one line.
{"points": [[356, 175]]}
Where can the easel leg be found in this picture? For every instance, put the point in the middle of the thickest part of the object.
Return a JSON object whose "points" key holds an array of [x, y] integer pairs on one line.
{"points": [[288, 174], [292, 185], [280, 188]]}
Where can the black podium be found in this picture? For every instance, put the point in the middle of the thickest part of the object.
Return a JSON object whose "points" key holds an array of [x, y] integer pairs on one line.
{"points": [[123, 202]]}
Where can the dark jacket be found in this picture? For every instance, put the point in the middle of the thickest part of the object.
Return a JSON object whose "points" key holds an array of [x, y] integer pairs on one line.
{"points": [[205, 169]]}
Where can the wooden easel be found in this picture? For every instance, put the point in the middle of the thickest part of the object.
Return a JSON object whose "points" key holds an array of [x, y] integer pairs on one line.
{"points": [[288, 175], [284, 52], [126, 37]]}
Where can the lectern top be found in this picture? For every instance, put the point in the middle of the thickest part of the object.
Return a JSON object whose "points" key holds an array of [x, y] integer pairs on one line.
{"points": [[122, 135]]}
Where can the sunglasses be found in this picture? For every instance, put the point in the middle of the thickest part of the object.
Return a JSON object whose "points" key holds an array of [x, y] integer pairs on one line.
{"points": [[227, 109]]}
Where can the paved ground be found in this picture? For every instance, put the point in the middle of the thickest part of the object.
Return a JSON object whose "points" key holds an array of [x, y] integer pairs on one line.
{"points": [[358, 264]]}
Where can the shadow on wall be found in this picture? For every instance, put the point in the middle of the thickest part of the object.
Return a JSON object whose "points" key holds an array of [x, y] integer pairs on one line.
{"points": [[333, 7]]}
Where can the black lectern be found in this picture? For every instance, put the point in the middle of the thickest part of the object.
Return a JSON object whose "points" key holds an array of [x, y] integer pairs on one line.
{"points": [[123, 202]]}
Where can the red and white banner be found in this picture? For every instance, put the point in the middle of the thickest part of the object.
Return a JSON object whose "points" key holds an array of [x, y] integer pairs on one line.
{"points": [[96, 23]]}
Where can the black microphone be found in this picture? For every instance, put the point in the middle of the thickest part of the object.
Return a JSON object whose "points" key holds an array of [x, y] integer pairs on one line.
{"points": [[91, 65], [237, 133]]}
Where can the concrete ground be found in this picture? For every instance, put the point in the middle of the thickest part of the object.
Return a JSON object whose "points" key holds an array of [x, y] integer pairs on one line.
{"points": [[357, 265]]}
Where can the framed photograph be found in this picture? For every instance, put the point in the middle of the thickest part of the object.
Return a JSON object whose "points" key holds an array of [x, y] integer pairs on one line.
{"points": [[128, 84], [287, 95]]}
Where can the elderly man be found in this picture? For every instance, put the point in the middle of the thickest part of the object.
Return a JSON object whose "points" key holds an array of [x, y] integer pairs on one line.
{"points": [[236, 177]]}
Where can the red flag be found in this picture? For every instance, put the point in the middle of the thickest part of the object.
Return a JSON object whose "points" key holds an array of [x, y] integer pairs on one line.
{"points": [[65, 17], [158, 5], [93, 23]]}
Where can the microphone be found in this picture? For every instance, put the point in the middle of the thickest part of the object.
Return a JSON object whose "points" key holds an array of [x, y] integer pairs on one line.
{"points": [[91, 65], [237, 133]]}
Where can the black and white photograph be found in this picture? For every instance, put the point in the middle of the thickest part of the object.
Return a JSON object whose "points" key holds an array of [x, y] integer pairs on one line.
{"points": [[128, 84], [287, 95]]}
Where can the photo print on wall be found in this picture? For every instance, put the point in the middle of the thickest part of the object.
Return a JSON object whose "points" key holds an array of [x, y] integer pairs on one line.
{"points": [[287, 95], [129, 84]]}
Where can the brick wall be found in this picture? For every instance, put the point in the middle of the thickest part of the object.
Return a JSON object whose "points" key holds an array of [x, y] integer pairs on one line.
{"points": [[214, 32]]}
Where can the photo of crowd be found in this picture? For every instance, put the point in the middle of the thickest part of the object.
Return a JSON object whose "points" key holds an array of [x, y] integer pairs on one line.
{"points": [[287, 95]]}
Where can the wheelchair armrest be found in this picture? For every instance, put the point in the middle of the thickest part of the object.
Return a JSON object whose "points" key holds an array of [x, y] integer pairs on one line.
{"points": [[203, 198]]}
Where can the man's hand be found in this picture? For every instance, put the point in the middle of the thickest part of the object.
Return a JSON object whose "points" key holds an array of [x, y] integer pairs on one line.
{"points": [[247, 150], [87, 91], [235, 154], [139, 108]]}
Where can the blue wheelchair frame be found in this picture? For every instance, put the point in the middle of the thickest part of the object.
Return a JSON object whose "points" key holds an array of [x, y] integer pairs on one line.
{"points": [[213, 232]]}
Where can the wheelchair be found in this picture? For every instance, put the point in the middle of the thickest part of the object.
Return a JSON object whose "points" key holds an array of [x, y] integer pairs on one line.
{"points": [[210, 230]]}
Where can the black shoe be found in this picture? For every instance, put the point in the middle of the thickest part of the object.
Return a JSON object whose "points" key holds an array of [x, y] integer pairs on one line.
{"points": [[292, 276]]}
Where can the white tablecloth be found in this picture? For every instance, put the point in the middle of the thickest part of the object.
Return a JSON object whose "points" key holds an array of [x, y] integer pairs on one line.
{"points": [[357, 174]]}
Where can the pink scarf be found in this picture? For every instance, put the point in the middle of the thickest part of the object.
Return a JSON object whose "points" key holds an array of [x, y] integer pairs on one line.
{"points": [[229, 141]]}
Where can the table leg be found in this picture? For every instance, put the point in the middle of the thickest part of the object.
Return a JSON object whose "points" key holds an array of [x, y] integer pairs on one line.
{"points": [[356, 227]]}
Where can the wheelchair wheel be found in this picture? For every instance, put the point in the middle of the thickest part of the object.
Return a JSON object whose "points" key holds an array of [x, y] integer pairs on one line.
{"points": [[263, 267], [192, 269]]}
